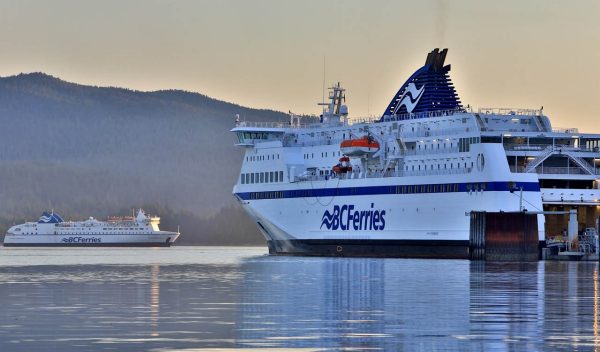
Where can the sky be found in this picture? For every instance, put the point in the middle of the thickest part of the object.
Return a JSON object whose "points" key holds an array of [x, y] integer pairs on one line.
{"points": [[276, 54]]}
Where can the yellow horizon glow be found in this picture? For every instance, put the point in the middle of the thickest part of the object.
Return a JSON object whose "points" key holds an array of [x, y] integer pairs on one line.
{"points": [[270, 53]]}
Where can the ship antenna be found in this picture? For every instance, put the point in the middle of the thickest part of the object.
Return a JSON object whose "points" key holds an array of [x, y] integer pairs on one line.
{"points": [[323, 84], [369, 102]]}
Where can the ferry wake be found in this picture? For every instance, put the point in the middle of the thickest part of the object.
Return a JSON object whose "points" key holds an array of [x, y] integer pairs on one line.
{"points": [[52, 230], [404, 184]]}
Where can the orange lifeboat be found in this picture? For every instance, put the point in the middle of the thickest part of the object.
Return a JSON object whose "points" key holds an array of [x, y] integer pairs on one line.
{"points": [[343, 167], [359, 146]]}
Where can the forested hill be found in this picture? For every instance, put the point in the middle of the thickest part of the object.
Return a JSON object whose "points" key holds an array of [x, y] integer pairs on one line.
{"points": [[85, 150]]}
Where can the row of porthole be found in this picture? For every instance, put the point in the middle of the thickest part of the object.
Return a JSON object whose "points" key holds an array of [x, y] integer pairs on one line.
{"points": [[262, 157]]}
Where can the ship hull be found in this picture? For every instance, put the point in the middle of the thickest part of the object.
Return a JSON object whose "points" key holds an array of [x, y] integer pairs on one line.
{"points": [[130, 244], [447, 249], [382, 217], [86, 240]]}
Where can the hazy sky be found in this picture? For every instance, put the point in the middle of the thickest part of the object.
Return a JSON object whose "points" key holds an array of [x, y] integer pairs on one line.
{"points": [[270, 53]]}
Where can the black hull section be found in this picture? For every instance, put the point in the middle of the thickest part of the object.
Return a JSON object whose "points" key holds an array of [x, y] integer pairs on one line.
{"points": [[87, 244], [372, 248]]}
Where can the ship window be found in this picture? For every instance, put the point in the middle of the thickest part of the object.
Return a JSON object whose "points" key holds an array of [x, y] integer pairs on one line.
{"points": [[456, 187], [271, 176], [422, 188], [251, 178], [280, 176]]}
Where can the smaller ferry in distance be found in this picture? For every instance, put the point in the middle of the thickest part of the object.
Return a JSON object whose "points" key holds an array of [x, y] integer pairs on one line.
{"points": [[52, 230]]}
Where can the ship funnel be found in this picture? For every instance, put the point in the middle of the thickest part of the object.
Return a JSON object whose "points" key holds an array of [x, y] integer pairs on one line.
{"points": [[429, 89]]}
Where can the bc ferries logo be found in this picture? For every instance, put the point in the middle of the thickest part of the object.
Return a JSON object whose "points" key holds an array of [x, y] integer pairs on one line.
{"points": [[344, 217], [410, 98], [81, 240]]}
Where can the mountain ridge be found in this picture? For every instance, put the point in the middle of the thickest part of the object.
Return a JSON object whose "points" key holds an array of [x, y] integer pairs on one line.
{"points": [[91, 150]]}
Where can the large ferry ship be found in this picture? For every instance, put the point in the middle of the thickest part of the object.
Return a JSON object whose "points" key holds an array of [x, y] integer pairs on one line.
{"points": [[52, 230], [404, 184]]}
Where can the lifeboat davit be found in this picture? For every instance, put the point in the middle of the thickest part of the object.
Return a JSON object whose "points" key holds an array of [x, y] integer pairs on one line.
{"points": [[343, 167], [360, 146]]}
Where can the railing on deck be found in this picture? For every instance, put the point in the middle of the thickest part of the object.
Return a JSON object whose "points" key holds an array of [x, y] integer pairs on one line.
{"points": [[541, 147], [435, 132], [380, 174], [422, 115], [510, 111], [549, 170]]}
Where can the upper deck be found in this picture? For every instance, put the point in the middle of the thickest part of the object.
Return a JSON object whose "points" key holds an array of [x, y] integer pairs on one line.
{"points": [[425, 130]]}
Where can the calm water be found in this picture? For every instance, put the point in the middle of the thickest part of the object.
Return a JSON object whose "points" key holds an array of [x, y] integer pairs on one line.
{"points": [[199, 298]]}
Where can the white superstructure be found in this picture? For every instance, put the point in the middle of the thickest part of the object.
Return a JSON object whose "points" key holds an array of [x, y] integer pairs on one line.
{"points": [[52, 230], [435, 162]]}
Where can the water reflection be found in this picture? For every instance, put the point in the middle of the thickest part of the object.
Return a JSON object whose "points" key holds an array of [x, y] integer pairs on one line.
{"points": [[154, 300], [417, 305], [301, 303]]}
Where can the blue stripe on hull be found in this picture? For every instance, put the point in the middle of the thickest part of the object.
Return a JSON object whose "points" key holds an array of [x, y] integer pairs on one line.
{"points": [[389, 189]]}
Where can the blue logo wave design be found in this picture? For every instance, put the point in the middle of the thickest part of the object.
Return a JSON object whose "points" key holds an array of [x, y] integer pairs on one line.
{"points": [[410, 98], [48, 218], [327, 220]]}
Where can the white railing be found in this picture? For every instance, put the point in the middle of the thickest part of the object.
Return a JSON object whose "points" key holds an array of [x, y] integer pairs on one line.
{"points": [[565, 130], [435, 132], [570, 195], [314, 141], [254, 124], [510, 111], [549, 170], [430, 151], [412, 116], [540, 147], [381, 174]]}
